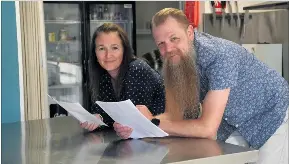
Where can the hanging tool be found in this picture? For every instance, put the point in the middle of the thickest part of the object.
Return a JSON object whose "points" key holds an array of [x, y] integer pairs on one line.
{"points": [[214, 13], [246, 20], [238, 15], [223, 7], [230, 12]]}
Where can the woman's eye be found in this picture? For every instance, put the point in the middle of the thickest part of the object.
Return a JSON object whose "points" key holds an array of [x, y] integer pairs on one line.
{"points": [[115, 48], [100, 49]]}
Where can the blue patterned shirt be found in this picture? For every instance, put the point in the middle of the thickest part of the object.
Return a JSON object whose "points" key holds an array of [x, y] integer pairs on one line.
{"points": [[259, 96]]}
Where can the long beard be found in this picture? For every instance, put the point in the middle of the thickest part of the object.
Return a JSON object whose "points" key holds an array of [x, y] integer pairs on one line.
{"points": [[181, 80]]}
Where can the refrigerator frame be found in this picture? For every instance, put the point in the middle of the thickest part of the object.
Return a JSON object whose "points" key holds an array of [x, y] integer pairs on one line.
{"points": [[85, 41]]}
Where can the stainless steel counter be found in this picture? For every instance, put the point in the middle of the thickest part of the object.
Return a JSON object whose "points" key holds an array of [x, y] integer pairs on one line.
{"points": [[62, 141]]}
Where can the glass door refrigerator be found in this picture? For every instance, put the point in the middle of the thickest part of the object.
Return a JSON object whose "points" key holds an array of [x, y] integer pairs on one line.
{"points": [[68, 28], [121, 13]]}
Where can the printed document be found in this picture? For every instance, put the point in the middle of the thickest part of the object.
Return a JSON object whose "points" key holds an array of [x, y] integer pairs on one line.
{"points": [[78, 112], [125, 113]]}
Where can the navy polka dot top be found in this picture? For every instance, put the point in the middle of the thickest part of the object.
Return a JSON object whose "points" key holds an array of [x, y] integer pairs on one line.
{"points": [[142, 85]]}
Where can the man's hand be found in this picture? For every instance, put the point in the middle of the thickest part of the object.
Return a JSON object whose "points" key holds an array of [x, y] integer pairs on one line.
{"points": [[92, 126], [122, 131], [145, 111]]}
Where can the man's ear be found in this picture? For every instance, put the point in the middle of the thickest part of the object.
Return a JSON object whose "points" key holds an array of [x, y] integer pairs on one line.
{"points": [[190, 32]]}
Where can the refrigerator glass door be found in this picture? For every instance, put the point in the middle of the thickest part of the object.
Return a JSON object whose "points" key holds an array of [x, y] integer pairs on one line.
{"points": [[63, 50], [120, 14]]}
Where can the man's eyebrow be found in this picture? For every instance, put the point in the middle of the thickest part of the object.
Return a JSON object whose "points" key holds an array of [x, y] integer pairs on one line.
{"points": [[172, 35]]}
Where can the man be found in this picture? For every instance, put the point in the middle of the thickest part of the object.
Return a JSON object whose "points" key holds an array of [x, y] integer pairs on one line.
{"points": [[242, 99]]}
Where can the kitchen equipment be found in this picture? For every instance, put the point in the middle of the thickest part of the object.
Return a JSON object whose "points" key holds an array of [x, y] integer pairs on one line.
{"points": [[214, 12], [246, 20], [223, 6], [230, 12], [73, 30], [238, 15]]}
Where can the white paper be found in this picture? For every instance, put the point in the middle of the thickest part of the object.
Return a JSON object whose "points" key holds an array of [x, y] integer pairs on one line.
{"points": [[78, 112], [125, 113]]}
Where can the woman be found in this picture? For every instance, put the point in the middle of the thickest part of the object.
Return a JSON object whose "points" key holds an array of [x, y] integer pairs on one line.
{"points": [[115, 74]]}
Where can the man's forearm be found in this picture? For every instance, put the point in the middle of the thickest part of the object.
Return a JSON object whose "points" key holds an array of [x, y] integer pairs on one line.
{"points": [[187, 128], [163, 116]]}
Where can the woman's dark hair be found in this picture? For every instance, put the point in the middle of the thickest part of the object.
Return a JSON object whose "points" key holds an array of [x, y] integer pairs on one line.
{"points": [[95, 71]]}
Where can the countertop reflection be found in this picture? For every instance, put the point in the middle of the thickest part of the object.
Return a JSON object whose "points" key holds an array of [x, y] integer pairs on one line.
{"points": [[62, 141]]}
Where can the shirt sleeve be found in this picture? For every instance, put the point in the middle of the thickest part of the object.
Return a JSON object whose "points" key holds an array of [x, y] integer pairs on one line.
{"points": [[105, 95], [222, 72], [158, 100], [145, 87]]}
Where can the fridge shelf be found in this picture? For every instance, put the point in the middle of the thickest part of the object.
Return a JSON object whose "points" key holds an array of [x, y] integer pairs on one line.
{"points": [[109, 21], [62, 22], [65, 86], [62, 42]]}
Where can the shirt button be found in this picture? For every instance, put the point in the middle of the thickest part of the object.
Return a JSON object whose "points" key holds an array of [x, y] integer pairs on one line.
{"points": [[226, 119], [237, 125]]}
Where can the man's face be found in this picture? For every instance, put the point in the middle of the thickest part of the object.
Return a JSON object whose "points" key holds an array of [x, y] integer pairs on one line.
{"points": [[173, 40], [180, 76]]}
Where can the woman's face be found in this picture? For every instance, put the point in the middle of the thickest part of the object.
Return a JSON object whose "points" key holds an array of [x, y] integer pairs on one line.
{"points": [[109, 52]]}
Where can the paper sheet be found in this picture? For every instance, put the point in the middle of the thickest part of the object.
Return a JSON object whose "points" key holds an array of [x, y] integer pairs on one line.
{"points": [[78, 112], [125, 113]]}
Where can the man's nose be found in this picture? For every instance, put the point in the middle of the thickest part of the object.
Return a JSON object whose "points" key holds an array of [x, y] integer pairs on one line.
{"points": [[169, 48]]}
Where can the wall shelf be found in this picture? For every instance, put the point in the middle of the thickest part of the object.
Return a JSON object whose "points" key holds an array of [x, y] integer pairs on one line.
{"points": [[109, 21], [228, 16], [268, 6], [143, 32]]}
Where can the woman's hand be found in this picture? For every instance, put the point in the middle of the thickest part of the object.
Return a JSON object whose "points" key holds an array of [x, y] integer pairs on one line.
{"points": [[91, 126]]}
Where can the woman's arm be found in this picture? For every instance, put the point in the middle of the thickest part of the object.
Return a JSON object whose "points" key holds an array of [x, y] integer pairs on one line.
{"points": [[144, 86], [158, 100]]}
